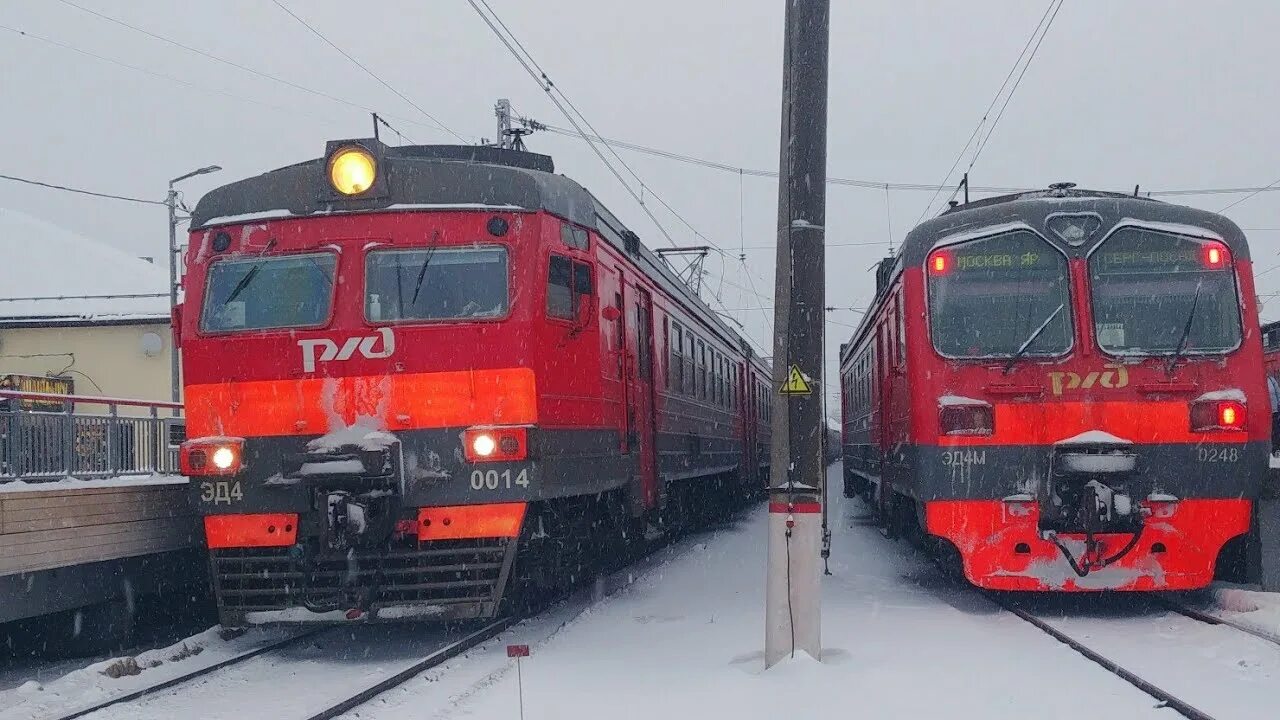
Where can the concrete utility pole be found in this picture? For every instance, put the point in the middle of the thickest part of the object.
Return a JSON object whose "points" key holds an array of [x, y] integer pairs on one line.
{"points": [[797, 471], [172, 201]]}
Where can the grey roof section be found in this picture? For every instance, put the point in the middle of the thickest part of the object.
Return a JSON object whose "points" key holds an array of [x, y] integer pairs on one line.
{"points": [[450, 175], [1034, 208], [427, 175]]}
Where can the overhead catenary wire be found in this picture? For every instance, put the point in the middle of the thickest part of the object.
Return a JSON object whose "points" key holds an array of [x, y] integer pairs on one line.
{"points": [[367, 71], [155, 74], [985, 114], [81, 191], [224, 61], [879, 185], [1250, 195], [578, 120], [547, 86], [1030, 58]]}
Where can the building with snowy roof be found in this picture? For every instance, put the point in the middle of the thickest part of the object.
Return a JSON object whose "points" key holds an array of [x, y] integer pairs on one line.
{"points": [[73, 307]]}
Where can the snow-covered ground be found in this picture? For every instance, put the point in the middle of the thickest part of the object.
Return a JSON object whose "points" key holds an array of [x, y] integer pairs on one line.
{"points": [[1250, 608], [685, 641], [94, 683], [1216, 668], [24, 486], [901, 642]]}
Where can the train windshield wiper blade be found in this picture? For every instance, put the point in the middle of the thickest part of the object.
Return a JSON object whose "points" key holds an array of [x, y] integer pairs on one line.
{"points": [[422, 271], [1186, 330], [1032, 338], [249, 276]]}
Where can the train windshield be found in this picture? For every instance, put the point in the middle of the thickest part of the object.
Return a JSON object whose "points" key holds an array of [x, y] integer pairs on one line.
{"points": [[436, 284], [268, 292], [1000, 296], [1158, 293]]}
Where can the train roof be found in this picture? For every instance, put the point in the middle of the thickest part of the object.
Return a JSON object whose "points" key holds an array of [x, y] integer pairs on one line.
{"points": [[1035, 209], [443, 177]]}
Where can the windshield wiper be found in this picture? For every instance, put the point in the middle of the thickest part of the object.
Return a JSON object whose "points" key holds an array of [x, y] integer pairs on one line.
{"points": [[1035, 334], [1186, 331], [422, 271], [249, 276]]}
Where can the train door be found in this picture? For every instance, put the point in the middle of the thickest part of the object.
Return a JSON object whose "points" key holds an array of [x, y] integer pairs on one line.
{"points": [[882, 439], [746, 425], [640, 401]]}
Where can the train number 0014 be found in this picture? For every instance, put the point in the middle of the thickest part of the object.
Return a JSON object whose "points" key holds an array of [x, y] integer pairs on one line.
{"points": [[492, 479]]}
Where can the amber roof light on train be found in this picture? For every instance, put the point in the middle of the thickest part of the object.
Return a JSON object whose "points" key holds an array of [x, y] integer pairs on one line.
{"points": [[352, 170]]}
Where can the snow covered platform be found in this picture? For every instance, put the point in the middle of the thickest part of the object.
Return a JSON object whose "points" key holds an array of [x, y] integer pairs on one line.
{"points": [[901, 641], [71, 543]]}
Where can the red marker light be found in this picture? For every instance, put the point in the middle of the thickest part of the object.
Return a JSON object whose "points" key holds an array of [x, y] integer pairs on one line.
{"points": [[1218, 415], [1215, 256], [1230, 414], [939, 263]]}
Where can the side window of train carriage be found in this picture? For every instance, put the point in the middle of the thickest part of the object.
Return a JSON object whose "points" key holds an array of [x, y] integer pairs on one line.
{"points": [[1159, 293], [666, 343], [569, 287], [437, 284], [999, 296], [689, 369], [677, 357], [263, 293], [902, 331], [573, 236], [700, 370]]}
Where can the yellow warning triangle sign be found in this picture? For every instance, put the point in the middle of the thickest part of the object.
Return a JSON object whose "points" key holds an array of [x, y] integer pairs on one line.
{"points": [[796, 383]]}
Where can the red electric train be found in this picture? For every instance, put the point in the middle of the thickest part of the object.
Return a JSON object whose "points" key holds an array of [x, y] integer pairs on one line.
{"points": [[430, 381], [1064, 389]]}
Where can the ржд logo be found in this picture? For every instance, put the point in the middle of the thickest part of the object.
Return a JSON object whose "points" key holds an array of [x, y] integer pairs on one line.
{"points": [[330, 351]]}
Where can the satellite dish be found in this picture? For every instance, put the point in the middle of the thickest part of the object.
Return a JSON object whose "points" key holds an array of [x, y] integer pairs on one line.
{"points": [[152, 344]]}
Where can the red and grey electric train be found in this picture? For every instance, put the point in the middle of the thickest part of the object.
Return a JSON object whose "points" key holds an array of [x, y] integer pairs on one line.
{"points": [[424, 381], [1066, 387]]}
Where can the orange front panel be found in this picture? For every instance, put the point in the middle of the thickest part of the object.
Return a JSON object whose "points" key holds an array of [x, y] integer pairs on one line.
{"points": [[239, 531], [1003, 550], [310, 406], [470, 521], [1044, 423]]}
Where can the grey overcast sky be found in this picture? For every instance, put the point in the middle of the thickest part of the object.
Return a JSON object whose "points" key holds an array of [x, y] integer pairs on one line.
{"points": [[1165, 93]]}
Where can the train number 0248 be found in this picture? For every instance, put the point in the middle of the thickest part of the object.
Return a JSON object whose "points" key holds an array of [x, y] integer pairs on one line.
{"points": [[1213, 454], [492, 479]]}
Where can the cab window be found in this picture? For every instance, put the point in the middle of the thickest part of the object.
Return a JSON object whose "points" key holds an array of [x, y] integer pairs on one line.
{"points": [[262, 293]]}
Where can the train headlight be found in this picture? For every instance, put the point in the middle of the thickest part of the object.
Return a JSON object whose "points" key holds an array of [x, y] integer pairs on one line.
{"points": [[352, 170], [495, 443], [483, 445], [211, 456], [224, 458]]}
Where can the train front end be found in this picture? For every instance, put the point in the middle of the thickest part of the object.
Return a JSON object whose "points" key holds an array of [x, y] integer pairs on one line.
{"points": [[1092, 413], [360, 398]]}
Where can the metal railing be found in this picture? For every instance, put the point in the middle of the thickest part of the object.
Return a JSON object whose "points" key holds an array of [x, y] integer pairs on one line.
{"points": [[39, 442]]}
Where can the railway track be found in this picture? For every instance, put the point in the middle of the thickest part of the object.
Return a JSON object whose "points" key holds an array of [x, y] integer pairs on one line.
{"points": [[1189, 669], [355, 663], [1210, 619], [88, 709], [1165, 697]]}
